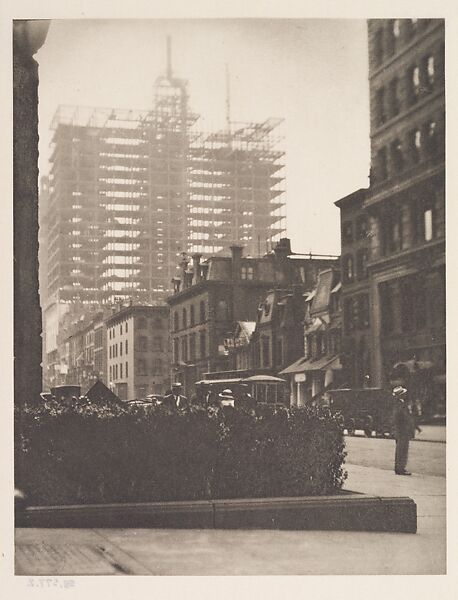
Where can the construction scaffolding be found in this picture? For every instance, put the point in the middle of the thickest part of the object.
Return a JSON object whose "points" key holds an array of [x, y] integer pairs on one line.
{"points": [[130, 190]]}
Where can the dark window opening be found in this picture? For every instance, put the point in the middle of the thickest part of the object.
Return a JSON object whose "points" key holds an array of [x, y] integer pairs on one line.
{"points": [[381, 171], [380, 112], [431, 137], [265, 351], [392, 232], [142, 343], [141, 367], [348, 314], [279, 352], [361, 263], [363, 310], [362, 227], [157, 344], [397, 156], [394, 98], [184, 349], [203, 344], [428, 73], [348, 272], [390, 37], [192, 347], [413, 84], [415, 145], [347, 232], [378, 46], [202, 311]]}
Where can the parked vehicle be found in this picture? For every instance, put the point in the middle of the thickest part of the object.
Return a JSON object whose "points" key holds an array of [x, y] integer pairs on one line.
{"points": [[369, 409], [66, 392], [248, 391]]}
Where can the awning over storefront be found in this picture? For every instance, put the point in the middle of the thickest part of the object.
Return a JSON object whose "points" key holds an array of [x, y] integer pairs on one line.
{"points": [[211, 381], [304, 364], [263, 379], [296, 367]]}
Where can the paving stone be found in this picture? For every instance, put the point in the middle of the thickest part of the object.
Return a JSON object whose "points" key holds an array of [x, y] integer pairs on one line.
{"points": [[61, 559]]}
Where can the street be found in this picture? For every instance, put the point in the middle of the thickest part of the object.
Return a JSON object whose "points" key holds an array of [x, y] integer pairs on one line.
{"points": [[425, 458]]}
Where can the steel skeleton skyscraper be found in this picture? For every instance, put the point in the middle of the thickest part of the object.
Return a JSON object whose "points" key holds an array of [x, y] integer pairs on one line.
{"points": [[130, 190]]}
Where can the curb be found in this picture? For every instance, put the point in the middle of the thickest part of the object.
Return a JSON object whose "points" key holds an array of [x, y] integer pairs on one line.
{"points": [[387, 438], [346, 512]]}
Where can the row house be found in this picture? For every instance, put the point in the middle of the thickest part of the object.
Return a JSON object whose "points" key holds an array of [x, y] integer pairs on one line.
{"points": [[215, 297], [277, 339], [80, 360], [319, 367], [137, 351]]}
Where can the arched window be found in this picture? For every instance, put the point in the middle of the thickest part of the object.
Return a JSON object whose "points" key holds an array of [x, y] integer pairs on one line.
{"points": [[185, 319], [175, 321], [192, 315]]}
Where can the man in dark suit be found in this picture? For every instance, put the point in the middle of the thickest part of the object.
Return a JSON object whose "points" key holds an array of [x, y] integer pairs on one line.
{"points": [[176, 400], [404, 429]]}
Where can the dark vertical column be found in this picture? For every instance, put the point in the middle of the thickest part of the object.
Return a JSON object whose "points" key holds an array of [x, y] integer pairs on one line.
{"points": [[27, 313], [27, 38]]}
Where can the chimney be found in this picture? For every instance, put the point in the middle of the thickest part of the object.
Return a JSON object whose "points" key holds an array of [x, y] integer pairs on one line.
{"points": [[196, 266], [188, 278], [283, 268], [283, 248], [184, 267], [237, 253], [176, 282]]}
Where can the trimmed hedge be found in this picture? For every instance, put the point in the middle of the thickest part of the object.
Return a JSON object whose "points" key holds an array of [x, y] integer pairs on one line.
{"points": [[88, 454]]}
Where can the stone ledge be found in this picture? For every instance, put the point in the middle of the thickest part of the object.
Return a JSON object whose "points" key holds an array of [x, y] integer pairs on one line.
{"points": [[345, 512]]}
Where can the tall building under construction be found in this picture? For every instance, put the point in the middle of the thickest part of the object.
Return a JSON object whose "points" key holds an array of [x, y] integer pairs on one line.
{"points": [[131, 190]]}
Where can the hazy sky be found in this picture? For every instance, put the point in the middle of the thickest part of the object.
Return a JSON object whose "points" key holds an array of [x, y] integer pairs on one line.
{"points": [[311, 73]]}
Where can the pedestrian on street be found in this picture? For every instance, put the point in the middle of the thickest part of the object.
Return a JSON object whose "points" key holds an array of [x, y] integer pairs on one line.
{"points": [[226, 398], [404, 428], [176, 400]]}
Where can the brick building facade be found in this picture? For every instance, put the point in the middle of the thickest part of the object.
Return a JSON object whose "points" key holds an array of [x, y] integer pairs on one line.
{"points": [[319, 367], [404, 205], [213, 296], [138, 351]]}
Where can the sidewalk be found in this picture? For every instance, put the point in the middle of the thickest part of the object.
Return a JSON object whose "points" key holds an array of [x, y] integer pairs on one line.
{"points": [[429, 433], [254, 552]]}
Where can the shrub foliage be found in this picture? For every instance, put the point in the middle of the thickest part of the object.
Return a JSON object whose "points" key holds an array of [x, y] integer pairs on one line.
{"points": [[84, 453]]}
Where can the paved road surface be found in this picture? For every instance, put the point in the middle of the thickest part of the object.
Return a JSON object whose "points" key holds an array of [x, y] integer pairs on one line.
{"points": [[426, 458]]}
